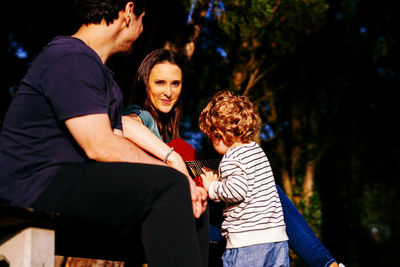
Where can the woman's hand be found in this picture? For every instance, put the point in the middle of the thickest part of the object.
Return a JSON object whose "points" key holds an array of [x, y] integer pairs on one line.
{"points": [[176, 162]]}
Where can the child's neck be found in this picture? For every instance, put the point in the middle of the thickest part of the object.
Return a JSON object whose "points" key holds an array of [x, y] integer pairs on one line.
{"points": [[236, 144]]}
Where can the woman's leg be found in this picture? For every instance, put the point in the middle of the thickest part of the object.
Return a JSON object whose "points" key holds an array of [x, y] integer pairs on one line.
{"points": [[125, 207], [302, 239]]}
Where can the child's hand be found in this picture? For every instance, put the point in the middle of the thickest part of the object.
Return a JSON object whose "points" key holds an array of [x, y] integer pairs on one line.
{"points": [[206, 169], [208, 177]]}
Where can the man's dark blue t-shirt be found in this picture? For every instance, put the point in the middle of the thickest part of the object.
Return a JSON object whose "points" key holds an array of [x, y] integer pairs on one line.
{"points": [[67, 80]]}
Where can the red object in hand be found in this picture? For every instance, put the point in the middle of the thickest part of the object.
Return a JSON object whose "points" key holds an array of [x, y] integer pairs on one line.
{"points": [[199, 181], [188, 153]]}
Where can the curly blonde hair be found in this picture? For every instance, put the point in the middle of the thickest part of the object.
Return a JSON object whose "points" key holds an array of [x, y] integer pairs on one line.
{"points": [[230, 117]]}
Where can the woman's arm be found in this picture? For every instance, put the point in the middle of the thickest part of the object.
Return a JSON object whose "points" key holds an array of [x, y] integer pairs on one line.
{"points": [[135, 131]]}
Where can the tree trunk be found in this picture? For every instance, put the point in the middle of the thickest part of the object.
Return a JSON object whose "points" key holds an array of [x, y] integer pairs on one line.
{"points": [[308, 183], [287, 185]]}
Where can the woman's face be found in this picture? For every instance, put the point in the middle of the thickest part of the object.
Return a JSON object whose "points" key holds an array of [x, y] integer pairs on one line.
{"points": [[165, 84]]}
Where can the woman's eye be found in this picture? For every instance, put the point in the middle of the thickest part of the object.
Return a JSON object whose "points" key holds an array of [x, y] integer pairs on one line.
{"points": [[160, 82], [176, 83]]}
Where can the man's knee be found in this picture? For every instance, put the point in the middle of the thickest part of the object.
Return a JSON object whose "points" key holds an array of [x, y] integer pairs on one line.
{"points": [[176, 179]]}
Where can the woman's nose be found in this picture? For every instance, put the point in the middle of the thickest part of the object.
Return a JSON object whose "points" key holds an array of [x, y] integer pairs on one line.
{"points": [[168, 91]]}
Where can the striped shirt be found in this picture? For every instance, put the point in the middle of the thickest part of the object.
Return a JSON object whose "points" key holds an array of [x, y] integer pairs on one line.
{"points": [[253, 213]]}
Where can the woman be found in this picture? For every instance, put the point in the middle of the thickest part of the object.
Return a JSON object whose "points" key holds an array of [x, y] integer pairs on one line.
{"points": [[156, 119], [159, 83]]}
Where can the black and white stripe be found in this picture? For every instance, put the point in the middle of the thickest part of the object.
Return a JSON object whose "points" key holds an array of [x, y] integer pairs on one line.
{"points": [[249, 190]]}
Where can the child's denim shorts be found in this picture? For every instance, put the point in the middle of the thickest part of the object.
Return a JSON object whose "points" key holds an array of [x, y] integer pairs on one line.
{"points": [[261, 255]]}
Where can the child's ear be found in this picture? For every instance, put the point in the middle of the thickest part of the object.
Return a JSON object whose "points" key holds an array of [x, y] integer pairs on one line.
{"points": [[223, 139]]}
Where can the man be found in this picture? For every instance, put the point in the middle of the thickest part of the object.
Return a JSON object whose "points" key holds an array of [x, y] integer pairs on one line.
{"points": [[62, 147]]}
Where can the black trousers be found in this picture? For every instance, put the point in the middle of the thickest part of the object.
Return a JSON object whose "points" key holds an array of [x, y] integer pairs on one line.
{"points": [[127, 209]]}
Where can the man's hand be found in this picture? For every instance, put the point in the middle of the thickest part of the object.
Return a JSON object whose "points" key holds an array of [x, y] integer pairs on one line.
{"points": [[199, 198]]}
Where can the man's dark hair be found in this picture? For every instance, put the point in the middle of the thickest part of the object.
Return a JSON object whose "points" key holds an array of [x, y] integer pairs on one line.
{"points": [[93, 11]]}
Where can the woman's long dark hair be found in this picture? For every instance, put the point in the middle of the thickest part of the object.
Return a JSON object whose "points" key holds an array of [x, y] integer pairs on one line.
{"points": [[168, 124]]}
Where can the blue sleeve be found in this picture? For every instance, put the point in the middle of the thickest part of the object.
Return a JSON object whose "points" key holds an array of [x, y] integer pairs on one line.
{"points": [[145, 116]]}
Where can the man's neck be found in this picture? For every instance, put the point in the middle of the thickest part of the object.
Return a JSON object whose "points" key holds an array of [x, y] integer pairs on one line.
{"points": [[100, 37]]}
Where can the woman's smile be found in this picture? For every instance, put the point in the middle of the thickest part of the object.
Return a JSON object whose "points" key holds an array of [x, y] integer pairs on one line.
{"points": [[167, 101]]}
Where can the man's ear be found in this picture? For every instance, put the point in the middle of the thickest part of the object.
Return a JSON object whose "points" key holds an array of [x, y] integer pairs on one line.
{"points": [[129, 13]]}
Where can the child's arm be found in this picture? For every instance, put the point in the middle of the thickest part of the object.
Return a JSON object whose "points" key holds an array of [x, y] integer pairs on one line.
{"points": [[208, 177], [233, 186]]}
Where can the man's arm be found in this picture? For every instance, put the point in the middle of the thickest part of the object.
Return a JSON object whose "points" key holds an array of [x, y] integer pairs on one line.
{"points": [[100, 143], [96, 137]]}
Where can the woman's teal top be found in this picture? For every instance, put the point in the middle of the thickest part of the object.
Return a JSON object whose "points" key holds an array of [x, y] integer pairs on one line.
{"points": [[145, 116]]}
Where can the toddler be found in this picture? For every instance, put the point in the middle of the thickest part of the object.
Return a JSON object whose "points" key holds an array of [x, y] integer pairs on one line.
{"points": [[253, 224]]}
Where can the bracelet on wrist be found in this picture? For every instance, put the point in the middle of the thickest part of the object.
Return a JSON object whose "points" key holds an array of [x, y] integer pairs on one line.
{"points": [[168, 154]]}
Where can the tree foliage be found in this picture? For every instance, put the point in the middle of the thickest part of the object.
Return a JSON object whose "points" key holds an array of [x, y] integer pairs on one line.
{"points": [[323, 75], [258, 36]]}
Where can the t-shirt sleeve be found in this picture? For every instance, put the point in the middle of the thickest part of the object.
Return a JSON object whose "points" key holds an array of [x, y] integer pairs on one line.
{"points": [[118, 125], [75, 86]]}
